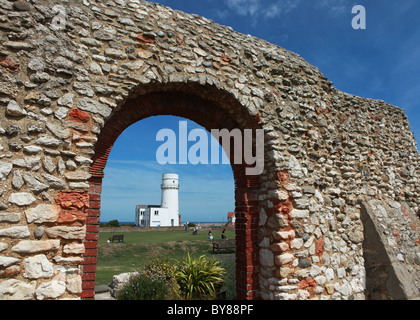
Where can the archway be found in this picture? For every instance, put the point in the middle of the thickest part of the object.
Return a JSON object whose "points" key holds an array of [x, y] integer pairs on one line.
{"points": [[211, 116]]}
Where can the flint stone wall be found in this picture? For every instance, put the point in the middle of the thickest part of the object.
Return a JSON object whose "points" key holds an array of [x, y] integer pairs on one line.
{"points": [[341, 177]]}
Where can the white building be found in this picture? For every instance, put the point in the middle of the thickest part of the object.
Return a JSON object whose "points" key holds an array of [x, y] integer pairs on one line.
{"points": [[167, 213]]}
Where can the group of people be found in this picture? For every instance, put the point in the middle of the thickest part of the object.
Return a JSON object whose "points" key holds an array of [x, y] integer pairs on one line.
{"points": [[223, 235], [195, 230]]}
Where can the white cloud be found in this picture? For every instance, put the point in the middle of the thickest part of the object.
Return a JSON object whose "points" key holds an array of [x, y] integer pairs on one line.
{"points": [[244, 7], [335, 7], [280, 7], [258, 9]]}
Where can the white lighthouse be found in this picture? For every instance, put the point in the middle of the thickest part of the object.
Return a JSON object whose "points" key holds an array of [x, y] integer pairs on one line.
{"points": [[165, 215], [170, 186]]}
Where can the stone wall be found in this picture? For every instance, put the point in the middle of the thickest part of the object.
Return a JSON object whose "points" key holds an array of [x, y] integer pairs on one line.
{"points": [[341, 172]]}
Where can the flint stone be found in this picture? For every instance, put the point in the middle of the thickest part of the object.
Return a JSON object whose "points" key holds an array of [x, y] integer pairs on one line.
{"points": [[61, 62], [284, 235], [13, 289], [15, 232], [345, 288], [277, 221], [29, 246], [7, 261], [39, 232], [83, 89], [101, 35], [22, 199], [3, 246], [66, 100], [95, 68], [68, 260], [83, 160], [58, 130], [114, 53], [74, 248], [284, 259], [87, 104], [32, 149], [294, 168], [296, 243], [21, 6], [54, 182], [18, 45], [77, 176], [51, 290], [356, 236], [38, 267], [278, 195], [74, 284], [10, 217], [36, 64], [133, 65], [299, 214], [301, 203], [49, 165], [91, 42], [48, 141], [43, 213], [14, 110], [304, 263], [5, 168], [32, 163], [68, 233], [34, 184]]}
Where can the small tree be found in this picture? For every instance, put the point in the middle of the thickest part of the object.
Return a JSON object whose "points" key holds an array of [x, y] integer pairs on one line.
{"points": [[113, 223]]}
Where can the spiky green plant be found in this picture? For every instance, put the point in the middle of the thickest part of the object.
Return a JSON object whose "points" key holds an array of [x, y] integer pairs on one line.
{"points": [[200, 278]]}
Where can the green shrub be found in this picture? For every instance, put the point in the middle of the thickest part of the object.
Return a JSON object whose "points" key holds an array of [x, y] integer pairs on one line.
{"points": [[110, 224], [162, 270], [199, 279], [142, 287]]}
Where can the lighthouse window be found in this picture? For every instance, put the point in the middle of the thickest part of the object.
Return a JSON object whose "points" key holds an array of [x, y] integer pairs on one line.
{"points": [[156, 213]]}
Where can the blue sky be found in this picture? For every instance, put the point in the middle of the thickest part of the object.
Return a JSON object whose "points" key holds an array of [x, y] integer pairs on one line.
{"points": [[380, 62]]}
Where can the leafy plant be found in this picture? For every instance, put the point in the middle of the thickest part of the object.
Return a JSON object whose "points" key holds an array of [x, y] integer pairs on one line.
{"points": [[200, 278], [142, 287], [162, 270]]}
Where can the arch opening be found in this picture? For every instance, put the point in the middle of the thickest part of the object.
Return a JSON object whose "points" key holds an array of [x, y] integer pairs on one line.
{"points": [[211, 116]]}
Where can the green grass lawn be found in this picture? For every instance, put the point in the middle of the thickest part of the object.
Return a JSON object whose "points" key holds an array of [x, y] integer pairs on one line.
{"points": [[141, 247]]}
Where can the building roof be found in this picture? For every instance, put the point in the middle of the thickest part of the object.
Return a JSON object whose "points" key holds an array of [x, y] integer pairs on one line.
{"points": [[145, 206]]}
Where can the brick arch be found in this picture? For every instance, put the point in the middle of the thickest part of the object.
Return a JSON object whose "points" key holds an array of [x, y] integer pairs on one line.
{"points": [[211, 116]]}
